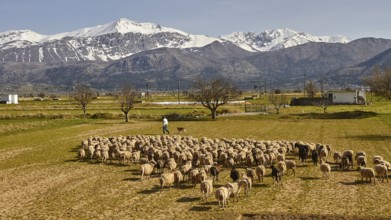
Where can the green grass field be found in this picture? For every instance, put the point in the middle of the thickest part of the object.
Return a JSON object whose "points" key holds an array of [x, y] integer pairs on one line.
{"points": [[40, 177]]}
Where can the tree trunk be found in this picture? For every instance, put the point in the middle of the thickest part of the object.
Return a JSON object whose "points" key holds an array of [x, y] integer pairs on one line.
{"points": [[214, 112], [126, 117], [84, 110]]}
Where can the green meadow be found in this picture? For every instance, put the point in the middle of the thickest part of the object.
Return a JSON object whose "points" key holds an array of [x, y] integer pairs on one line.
{"points": [[41, 178]]}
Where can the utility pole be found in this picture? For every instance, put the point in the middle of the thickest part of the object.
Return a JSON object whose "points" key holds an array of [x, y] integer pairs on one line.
{"points": [[304, 85], [264, 86], [179, 100]]}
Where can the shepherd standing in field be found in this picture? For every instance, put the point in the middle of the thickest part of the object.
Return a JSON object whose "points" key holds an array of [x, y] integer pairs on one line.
{"points": [[165, 125]]}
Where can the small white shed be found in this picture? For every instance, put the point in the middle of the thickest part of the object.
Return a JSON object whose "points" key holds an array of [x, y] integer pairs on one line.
{"points": [[347, 97], [10, 99]]}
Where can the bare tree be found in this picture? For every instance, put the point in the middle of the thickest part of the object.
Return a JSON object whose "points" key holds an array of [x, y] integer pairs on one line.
{"points": [[213, 93], [380, 82], [324, 103], [311, 89], [278, 101], [83, 95], [126, 98]]}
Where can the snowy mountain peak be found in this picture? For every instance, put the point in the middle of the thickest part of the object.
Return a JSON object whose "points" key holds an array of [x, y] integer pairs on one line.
{"points": [[113, 41], [276, 39]]}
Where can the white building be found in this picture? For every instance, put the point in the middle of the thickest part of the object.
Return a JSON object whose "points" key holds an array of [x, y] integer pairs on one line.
{"points": [[347, 97], [10, 99]]}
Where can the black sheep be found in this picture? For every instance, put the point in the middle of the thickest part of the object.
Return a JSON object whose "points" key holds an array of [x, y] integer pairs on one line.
{"points": [[314, 156], [214, 171], [276, 175]]}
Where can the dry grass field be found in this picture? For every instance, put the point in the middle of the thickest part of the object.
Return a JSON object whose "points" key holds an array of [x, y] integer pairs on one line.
{"points": [[40, 177]]}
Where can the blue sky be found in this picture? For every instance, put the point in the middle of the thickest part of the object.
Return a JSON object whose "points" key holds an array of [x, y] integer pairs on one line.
{"points": [[352, 18]]}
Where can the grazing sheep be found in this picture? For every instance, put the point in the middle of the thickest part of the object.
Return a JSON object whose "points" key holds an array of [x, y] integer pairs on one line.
{"points": [[337, 156], [171, 164], [381, 171], [361, 161], [323, 153], [146, 169], [192, 175], [91, 150], [260, 172], [377, 159], [81, 154], [136, 156], [276, 175], [303, 151], [251, 173], [234, 189], [201, 176], [367, 173], [214, 171], [291, 165], [325, 168], [349, 154], [222, 194], [104, 155], [159, 166], [178, 177], [281, 166], [345, 163], [185, 169], [206, 189], [314, 157], [360, 153], [166, 179], [246, 184], [387, 164], [280, 157]]}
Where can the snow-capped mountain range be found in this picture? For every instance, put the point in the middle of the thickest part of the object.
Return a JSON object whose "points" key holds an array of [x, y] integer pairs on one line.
{"points": [[124, 37]]}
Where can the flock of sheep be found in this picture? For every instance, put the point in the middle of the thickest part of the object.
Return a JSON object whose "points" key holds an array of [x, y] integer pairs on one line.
{"points": [[180, 159]]}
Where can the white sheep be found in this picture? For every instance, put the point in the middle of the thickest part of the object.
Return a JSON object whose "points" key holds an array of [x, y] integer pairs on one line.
{"points": [[185, 169], [201, 176], [104, 155], [81, 154], [178, 177], [251, 173], [323, 153], [360, 153], [337, 156], [146, 169], [367, 173], [377, 159], [171, 164], [281, 166], [246, 184], [325, 168], [222, 194], [192, 175], [260, 172], [206, 189], [234, 189], [291, 165], [381, 171], [361, 160], [166, 179]]}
